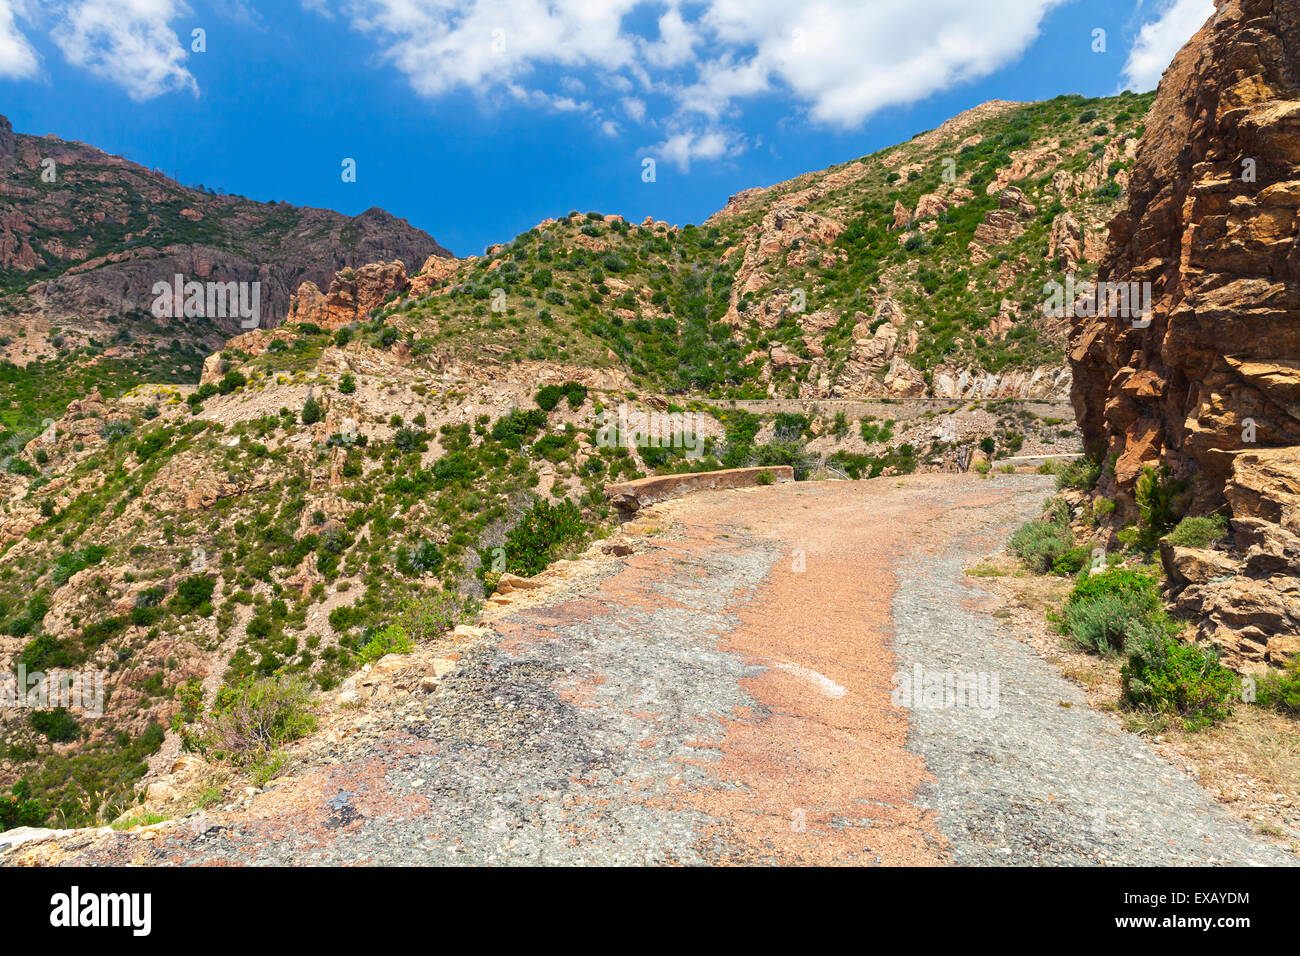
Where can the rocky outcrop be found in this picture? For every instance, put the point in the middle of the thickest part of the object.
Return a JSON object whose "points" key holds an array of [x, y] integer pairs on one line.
{"points": [[7, 142], [999, 227], [353, 295], [1065, 241], [1209, 383]]}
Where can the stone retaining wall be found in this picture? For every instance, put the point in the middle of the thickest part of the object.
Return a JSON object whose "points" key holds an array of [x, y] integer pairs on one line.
{"points": [[630, 497]]}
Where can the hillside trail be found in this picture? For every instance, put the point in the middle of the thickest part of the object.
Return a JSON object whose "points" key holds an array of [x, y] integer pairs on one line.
{"points": [[728, 694]]}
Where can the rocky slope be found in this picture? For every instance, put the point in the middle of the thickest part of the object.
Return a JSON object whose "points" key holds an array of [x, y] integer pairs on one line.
{"points": [[917, 271], [1210, 388], [371, 460]]}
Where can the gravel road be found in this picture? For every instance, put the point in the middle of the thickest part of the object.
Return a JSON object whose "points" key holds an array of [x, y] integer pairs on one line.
{"points": [[728, 695]]}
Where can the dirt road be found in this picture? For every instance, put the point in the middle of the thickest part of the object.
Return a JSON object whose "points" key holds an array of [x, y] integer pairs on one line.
{"points": [[729, 695]]}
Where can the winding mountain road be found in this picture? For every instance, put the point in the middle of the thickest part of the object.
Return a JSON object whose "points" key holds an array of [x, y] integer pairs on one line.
{"points": [[728, 695]]}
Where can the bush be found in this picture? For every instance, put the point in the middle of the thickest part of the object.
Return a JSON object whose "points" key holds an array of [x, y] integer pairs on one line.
{"points": [[543, 532], [1154, 493], [1176, 678], [1081, 475], [1105, 609], [251, 719], [57, 725], [549, 396], [1102, 624], [311, 411], [511, 430], [1118, 582], [20, 810], [347, 383], [421, 558], [1198, 532], [231, 381], [194, 594], [1281, 692], [764, 477], [1071, 562], [427, 614], [1040, 542], [391, 640]]}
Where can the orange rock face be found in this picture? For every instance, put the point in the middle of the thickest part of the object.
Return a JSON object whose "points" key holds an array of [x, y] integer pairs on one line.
{"points": [[1210, 386], [352, 295]]}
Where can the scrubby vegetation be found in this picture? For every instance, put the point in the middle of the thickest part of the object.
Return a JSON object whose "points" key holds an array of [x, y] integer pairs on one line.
{"points": [[218, 520], [1117, 610], [1174, 678], [1042, 542]]}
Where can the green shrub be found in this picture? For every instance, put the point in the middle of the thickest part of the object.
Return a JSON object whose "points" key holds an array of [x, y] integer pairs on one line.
{"points": [[347, 383], [391, 640], [1081, 475], [74, 561], [1041, 542], [1174, 678], [575, 393], [1104, 609], [1119, 582], [20, 810], [549, 396], [1071, 562], [311, 411], [764, 477], [427, 614], [544, 531], [57, 725], [194, 595], [512, 430], [253, 718], [1198, 532], [1103, 624], [1281, 691], [231, 381], [1154, 493]]}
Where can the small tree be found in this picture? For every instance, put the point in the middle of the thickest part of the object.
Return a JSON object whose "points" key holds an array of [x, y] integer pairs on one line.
{"points": [[311, 411]]}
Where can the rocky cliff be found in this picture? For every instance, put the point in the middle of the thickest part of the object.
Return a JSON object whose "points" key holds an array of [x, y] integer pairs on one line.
{"points": [[1208, 384]]}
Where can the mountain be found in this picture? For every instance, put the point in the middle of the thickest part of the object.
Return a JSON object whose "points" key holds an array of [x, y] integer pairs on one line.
{"points": [[85, 235], [1198, 412], [309, 496], [85, 238], [916, 271]]}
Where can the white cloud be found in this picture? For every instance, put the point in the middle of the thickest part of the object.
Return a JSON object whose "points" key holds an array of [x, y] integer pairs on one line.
{"points": [[442, 45], [635, 108], [676, 42], [842, 60], [128, 42], [1159, 40], [17, 58], [848, 58], [682, 148]]}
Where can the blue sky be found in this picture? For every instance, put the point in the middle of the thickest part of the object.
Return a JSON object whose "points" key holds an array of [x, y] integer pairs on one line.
{"points": [[475, 119]]}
